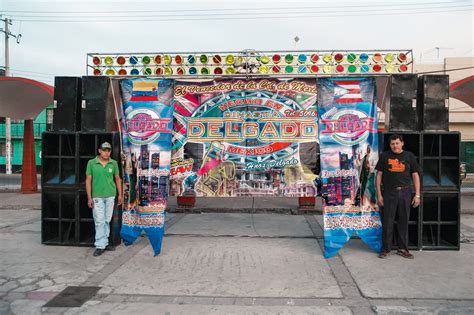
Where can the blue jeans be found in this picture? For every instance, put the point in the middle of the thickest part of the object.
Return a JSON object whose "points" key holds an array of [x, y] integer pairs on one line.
{"points": [[102, 211]]}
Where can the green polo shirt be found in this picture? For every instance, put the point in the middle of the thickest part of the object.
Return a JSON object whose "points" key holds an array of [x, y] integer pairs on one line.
{"points": [[103, 178]]}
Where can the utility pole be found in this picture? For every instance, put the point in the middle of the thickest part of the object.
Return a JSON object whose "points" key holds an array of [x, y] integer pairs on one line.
{"points": [[8, 135]]}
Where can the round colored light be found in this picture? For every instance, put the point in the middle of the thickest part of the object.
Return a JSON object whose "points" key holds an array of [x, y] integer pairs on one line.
{"points": [[168, 71], [133, 60], [240, 59], [327, 58], [302, 58], [276, 69], [377, 58], [203, 59], [364, 68], [159, 71], [167, 60], [363, 57], [376, 68], [217, 59], [147, 71], [157, 59], [314, 69], [97, 72], [289, 69], [134, 72], [403, 68], [338, 57], [263, 69], [339, 68], [351, 69], [276, 58], [204, 70], [122, 72], [191, 59], [229, 59], [230, 70], [178, 59], [314, 58], [264, 59], [289, 58], [302, 69], [389, 58], [390, 68], [402, 57], [351, 57], [109, 61], [192, 70], [218, 70], [110, 72], [327, 69], [180, 71], [121, 60], [96, 61], [146, 60]]}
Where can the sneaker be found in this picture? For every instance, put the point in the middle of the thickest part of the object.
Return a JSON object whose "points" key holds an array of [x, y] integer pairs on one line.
{"points": [[405, 254], [383, 254], [98, 251], [110, 247]]}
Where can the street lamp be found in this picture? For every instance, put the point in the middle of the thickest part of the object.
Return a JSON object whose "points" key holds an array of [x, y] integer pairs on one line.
{"points": [[296, 39]]}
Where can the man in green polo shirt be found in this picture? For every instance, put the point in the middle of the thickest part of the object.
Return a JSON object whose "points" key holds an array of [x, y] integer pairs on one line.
{"points": [[102, 183]]}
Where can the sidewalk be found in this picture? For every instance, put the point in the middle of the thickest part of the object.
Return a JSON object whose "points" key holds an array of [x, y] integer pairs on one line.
{"points": [[232, 263]]}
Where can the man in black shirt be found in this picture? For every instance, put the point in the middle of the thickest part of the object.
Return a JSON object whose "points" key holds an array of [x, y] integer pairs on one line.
{"points": [[396, 170]]}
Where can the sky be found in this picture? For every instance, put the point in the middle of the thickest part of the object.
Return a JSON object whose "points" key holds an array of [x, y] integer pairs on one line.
{"points": [[57, 35]]}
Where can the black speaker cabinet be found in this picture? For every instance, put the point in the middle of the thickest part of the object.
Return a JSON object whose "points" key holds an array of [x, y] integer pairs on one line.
{"points": [[98, 108], [66, 219], [59, 159], [67, 100], [400, 112], [433, 102]]}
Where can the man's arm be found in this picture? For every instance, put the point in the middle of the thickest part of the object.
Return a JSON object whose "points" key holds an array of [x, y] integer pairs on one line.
{"points": [[118, 183], [90, 202], [416, 181], [378, 184]]}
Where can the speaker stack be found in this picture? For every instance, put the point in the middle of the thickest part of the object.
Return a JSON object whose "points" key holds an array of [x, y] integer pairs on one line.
{"points": [[435, 224], [66, 218]]}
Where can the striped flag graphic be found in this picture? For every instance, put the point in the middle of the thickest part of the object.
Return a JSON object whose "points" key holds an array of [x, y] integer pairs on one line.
{"points": [[144, 91], [347, 91]]}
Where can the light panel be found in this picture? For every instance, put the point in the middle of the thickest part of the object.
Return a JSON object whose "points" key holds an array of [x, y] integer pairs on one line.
{"points": [[252, 63]]}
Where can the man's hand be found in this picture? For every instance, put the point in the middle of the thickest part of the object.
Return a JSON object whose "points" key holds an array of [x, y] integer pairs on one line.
{"points": [[415, 202], [90, 203], [119, 200], [380, 200]]}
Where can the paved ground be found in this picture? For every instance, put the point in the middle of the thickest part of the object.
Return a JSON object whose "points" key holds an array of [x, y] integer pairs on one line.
{"points": [[232, 263]]}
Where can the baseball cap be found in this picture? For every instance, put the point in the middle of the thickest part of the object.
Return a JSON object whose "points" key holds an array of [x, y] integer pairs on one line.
{"points": [[105, 145]]}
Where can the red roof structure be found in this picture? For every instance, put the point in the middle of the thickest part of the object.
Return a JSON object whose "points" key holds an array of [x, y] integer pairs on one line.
{"points": [[22, 98]]}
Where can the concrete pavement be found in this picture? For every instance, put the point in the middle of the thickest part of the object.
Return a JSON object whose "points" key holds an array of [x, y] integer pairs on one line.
{"points": [[232, 263]]}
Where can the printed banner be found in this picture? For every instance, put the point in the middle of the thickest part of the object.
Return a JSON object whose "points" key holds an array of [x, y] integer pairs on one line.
{"points": [[245, 138], [347, 113], [147, 126]]}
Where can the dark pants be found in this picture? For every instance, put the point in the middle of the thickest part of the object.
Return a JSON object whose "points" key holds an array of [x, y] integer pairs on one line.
{"points": [[396, 203]]}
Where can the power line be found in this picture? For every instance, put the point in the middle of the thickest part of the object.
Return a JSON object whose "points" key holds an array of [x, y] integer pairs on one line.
{"points": [[247, 12], [447, 70], [398, 4], [246, 17], [42, 73]]}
